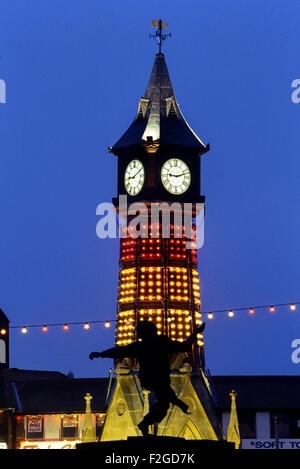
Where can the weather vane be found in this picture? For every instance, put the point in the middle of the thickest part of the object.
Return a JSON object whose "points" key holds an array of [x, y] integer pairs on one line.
{"points": [[160, 37]]}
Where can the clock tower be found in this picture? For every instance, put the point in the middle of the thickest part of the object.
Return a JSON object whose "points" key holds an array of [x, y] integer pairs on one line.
{"points": [[159, 168], [159, 155]]}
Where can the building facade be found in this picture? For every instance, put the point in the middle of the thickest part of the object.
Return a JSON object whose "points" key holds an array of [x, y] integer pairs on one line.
{"points": [[46, 410], [268, 409]]}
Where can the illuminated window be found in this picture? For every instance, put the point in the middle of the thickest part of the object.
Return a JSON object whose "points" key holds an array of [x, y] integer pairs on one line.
{"points": [[99, 424], [34, 427], [69, 426]]}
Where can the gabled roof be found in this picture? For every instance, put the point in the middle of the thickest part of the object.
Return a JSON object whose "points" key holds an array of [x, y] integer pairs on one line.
{"points": [[59, 395], [258, 392], [159, 118], [66, 395], [16, 374]]}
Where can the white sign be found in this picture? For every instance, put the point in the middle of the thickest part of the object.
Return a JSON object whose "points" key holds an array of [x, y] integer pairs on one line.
{"points": [[34, 425], [70, 421], [3, 446], [283, 443], [65, 444]]}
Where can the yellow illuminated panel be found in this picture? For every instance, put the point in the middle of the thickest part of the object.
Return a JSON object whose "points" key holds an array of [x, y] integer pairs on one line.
{"points": [[151, 283], [125, 332], [127, 285], [155, 315], [158, 282], [178, 284], [179, 324], [195, 286]]}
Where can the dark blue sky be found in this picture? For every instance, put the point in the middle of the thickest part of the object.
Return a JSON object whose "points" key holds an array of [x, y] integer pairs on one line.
{"points": [[74, 72]]}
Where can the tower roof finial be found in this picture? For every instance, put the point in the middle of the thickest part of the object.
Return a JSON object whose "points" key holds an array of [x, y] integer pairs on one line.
{"points": [[159, 35]]}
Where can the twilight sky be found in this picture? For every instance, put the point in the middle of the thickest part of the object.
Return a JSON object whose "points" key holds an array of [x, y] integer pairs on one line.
{"points": [[74, 72]]}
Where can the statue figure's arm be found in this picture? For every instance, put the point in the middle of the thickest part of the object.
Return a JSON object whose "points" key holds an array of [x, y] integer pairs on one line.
{"points": [[129, 351]]}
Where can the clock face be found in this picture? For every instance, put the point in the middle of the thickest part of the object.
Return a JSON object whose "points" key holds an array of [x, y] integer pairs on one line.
{"points": [[175, 176], [134, 177]]}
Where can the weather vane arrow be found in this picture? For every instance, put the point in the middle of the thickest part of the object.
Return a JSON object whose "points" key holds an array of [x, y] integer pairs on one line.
{"points": [[159, 35]]}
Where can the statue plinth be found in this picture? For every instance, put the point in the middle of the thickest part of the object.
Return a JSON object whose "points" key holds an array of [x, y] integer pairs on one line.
{"points": [[156, 449]]}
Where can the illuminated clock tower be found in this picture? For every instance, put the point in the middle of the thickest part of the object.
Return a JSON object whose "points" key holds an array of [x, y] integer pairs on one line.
{"points": [[159, 162]]}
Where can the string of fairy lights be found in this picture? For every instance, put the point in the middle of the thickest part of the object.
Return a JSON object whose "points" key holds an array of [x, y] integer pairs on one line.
{"points": [[107, 323]]}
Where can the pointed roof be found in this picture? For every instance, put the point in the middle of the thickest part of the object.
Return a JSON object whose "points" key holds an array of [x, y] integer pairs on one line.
{"points": [[3, 317], [159, 119], [233, 431]]}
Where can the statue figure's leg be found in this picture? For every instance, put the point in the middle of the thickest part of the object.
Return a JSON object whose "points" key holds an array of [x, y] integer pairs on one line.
{"points": [[158, 411], [176, 401]]}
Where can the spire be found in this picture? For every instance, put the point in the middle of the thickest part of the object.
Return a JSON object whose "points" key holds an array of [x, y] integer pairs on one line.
{"points": [[159, 119], [233, 432], [159, 93], [88, 432], [159, 86]]}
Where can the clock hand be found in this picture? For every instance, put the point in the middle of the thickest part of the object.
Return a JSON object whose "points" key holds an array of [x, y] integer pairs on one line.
{"points": [[178, 175], [132, 177]]}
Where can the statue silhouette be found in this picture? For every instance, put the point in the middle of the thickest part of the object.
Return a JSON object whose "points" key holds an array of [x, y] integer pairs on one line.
{"points": [[152, 353]]}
